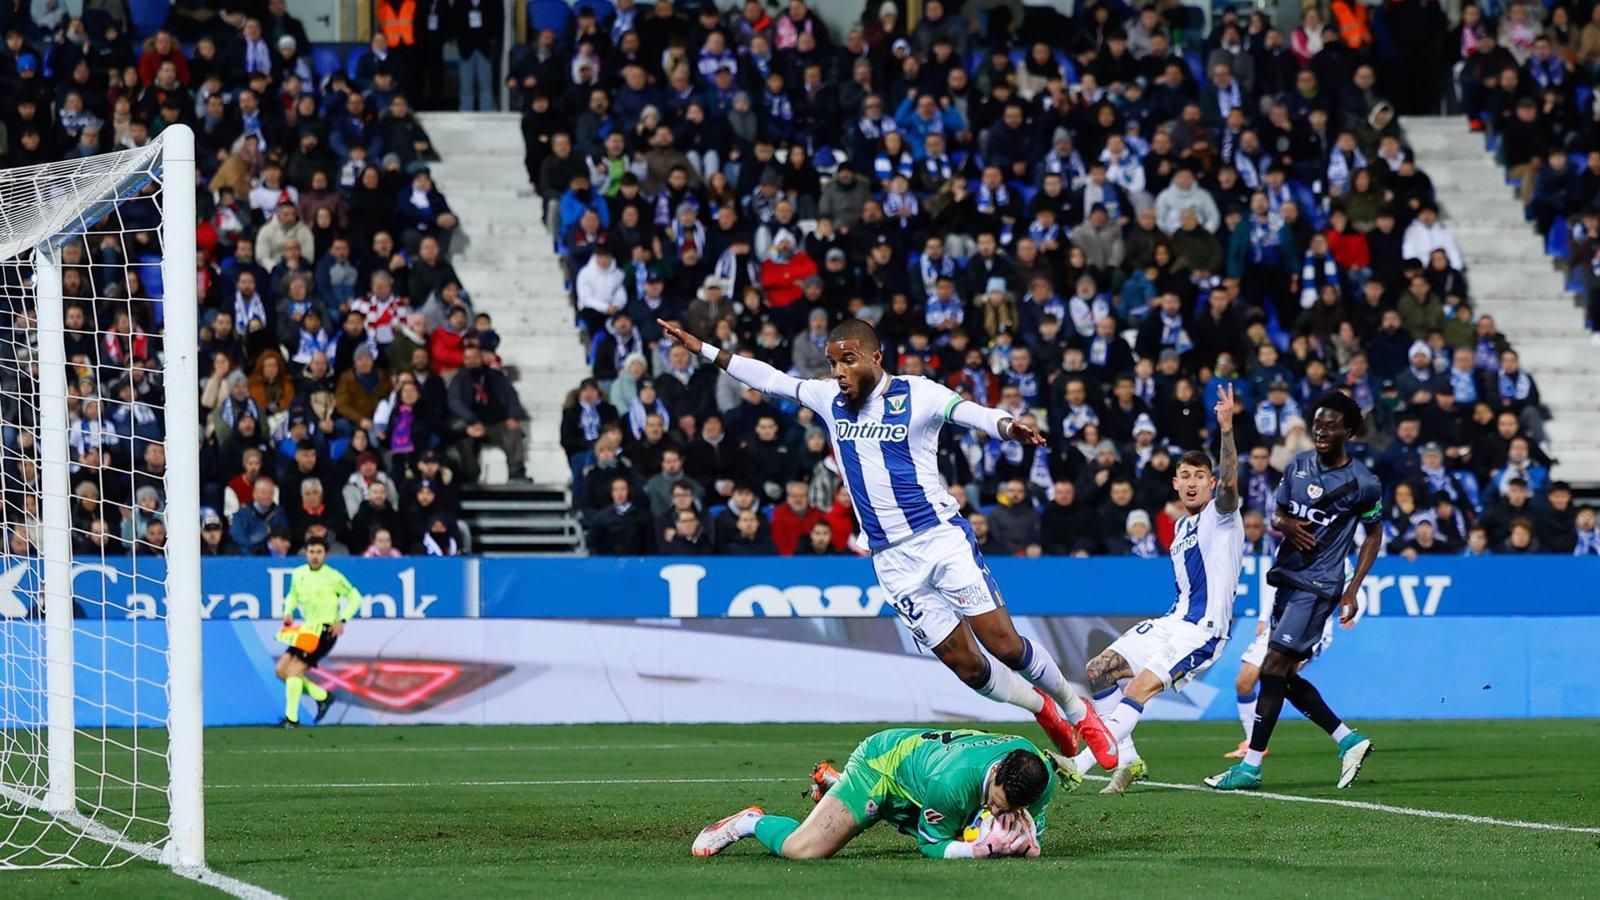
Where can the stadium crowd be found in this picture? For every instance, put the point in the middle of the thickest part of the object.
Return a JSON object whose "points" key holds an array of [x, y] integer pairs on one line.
{"points": [[348, 385], [1527, 79], [1094, 222]]}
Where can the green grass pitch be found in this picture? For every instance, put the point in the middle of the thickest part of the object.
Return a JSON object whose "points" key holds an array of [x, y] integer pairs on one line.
{"points": [[444, 812]]}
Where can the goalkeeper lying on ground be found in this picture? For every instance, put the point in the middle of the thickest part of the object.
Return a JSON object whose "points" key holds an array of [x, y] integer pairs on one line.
{"points": [[929, 784]]}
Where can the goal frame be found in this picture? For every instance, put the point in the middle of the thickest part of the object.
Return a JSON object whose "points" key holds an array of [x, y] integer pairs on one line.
{"points": [[184, 846]]}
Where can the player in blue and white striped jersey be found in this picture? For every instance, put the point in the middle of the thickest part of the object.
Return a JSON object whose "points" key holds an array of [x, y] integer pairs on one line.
{"points": [[1207, 551], [885, 435]]}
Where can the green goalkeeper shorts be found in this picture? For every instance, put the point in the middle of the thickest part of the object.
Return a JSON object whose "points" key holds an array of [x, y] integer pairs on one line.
{"points": [[870, 795]]}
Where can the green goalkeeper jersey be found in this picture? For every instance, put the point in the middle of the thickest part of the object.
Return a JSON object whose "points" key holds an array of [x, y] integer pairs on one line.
{"points": [[317, 595], [930, 784]]}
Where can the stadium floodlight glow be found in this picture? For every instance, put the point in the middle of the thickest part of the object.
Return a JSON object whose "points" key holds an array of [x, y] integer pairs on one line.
{"points": [[100, 712]]}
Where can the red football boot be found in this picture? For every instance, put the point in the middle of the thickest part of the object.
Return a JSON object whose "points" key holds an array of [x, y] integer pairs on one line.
{"points": [[1056, 726], [1099, 738]]}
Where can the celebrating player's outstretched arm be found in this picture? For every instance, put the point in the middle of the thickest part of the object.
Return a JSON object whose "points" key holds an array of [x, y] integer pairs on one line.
{"points": [[1227, 454], [858, 369]]}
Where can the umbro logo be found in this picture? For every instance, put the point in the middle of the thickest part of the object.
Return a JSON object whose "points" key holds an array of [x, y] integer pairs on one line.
{"points": [[1299, 473]]}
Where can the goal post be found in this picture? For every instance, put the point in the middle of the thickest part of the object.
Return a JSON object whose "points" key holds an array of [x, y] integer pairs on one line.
{"points": [[100, 498], [181, 363]]}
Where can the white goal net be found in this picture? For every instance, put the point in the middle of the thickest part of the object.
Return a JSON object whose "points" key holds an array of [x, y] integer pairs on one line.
{"points": [[99, 511]]}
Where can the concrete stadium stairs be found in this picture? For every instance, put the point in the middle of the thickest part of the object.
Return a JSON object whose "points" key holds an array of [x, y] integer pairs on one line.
{"points": [[513, 274], [1512, 279], [511, 271]]}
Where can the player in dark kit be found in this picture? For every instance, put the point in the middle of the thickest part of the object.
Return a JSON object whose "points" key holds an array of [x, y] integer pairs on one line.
{"points": [[1322, 495]]}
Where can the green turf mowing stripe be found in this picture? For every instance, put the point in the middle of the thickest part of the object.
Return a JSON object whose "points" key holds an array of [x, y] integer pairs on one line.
{"points": [[1370, 807]]}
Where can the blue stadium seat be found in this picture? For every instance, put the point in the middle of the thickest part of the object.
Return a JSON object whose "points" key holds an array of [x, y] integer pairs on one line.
{"points": [[1555, 243], [325, 61], [604, 10], [148, 266], [149, 16], [551, 15]]}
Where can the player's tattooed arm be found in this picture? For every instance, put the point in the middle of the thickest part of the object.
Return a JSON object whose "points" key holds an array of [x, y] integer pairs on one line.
{"points": [[1227, 454]]}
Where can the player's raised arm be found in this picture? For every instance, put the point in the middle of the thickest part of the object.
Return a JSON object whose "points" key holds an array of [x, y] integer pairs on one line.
{"points": [[1227, 454], [753, 372]]}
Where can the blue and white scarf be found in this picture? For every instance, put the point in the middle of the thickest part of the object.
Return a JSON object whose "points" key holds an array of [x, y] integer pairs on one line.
{"points": [[1070, 168], [1228, 99], [934, 269], [1174, 335], [1145, 389], [1588, 543], [1270, 417], [937, 169], [1341, 166], [886, 167], [637, 412], [993, 202], [896, 204], [1085, 312], [873, 129], [1314, 275], [1465, 385], [1515, 387], [1042, 235]]}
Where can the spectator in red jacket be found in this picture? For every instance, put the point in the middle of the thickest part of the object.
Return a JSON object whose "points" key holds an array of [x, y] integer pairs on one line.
{"points": [[1349, 247], [163, 49], [446, 343], [842, 517], [782, 277], [793, 520]]}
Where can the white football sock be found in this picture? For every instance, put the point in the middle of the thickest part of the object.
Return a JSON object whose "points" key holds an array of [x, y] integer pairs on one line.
{"points": [[1124, 718], [1040, 668], [1247, 713], [1007, 686], [1341, 732], [745, 825]]}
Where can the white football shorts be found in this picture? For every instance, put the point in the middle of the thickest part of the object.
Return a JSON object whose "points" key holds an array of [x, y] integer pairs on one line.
{"points": [[935, 579], [1172, 648]]}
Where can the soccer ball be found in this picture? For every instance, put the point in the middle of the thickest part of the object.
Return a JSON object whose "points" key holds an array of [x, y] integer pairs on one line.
{"points": [[979, 826]]}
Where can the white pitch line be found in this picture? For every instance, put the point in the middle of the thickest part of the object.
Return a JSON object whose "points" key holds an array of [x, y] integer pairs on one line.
{"points": [[533, 782], [100, 833], [551, 748], [545, 748], [1370, 807]]}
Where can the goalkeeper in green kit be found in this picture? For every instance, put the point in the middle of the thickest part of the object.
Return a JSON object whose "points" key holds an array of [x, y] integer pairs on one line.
{"points": [[961, 794], [326, 600]]}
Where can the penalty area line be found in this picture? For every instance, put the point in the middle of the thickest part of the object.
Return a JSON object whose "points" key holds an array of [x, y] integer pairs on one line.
{"points": [[1414, 812]]}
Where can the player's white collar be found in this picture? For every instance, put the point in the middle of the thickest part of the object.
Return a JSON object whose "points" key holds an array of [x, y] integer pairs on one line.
{"points": [[883, 386]]}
